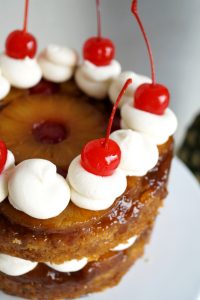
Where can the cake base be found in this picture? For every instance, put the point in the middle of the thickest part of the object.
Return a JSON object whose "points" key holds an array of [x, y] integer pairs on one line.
{"points": [[44, 283]]}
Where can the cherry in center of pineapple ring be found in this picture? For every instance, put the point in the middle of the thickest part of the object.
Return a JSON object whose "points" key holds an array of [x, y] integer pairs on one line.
{"points": [[50, 132]]}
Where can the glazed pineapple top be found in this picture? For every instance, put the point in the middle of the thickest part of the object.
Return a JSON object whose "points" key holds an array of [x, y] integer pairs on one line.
{"points": [[57, 125]]}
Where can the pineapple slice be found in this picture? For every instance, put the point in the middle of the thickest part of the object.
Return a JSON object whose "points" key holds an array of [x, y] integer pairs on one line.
{"points": [[81, 120]]}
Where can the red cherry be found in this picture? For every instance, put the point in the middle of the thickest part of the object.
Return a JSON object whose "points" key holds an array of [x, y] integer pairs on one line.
{"points": [[101, 157], [100, 160], [45, 87], [99, 51], [49, 132], [153, 98], [3, 155], [20, 44]]}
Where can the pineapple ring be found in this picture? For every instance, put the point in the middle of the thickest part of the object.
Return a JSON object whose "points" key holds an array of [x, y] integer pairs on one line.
{"points": [[81, 120]]}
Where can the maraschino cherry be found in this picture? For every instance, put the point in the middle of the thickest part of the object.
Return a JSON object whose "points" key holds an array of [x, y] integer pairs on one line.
{"points": [[150, 97], [45, 87], [20, 43], [3, 155], [98, 50], [102, 156]]}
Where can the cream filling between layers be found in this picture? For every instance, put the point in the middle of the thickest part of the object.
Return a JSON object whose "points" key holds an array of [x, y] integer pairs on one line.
{"points": [[126, 245], [14, 266], [73, 265]]}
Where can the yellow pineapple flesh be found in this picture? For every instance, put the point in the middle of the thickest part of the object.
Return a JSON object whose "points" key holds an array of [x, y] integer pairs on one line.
{"points": [[82, 120]]}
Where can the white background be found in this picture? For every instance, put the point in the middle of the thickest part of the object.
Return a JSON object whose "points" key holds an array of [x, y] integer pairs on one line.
{"points": [[172, 25]]}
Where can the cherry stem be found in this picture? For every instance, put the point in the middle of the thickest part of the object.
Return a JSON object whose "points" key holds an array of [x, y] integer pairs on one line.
{"points": [[26, 15], [135, 13], [98, 8], [127, 83]]}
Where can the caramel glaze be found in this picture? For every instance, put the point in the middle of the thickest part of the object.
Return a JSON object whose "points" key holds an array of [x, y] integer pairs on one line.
{"points": [[78, 232], [44, 283]]}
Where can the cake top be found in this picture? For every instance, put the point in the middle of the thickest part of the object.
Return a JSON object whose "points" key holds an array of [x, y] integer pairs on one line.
{"points": [[98, 175]]}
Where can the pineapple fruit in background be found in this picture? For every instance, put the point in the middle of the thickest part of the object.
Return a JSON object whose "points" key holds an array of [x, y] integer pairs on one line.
{"points": [[190, 149]]}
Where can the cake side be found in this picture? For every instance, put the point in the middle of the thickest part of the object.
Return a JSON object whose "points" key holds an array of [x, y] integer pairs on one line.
{"points": [[44, 283], [130, 215]]}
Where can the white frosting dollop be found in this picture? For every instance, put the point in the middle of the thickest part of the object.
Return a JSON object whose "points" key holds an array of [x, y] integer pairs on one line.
{"points": [[57, 63], [10, 163], [138, 153], [73, 265], [4, 86], [94, 192], [95, 80], [157, 127], [36, 189], [21, 73], [14, 266], [118, 82], [126, 245]]}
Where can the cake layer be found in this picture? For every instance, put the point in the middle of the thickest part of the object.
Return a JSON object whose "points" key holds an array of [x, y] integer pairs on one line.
{"points": [[44, 283], [77, 232]]}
